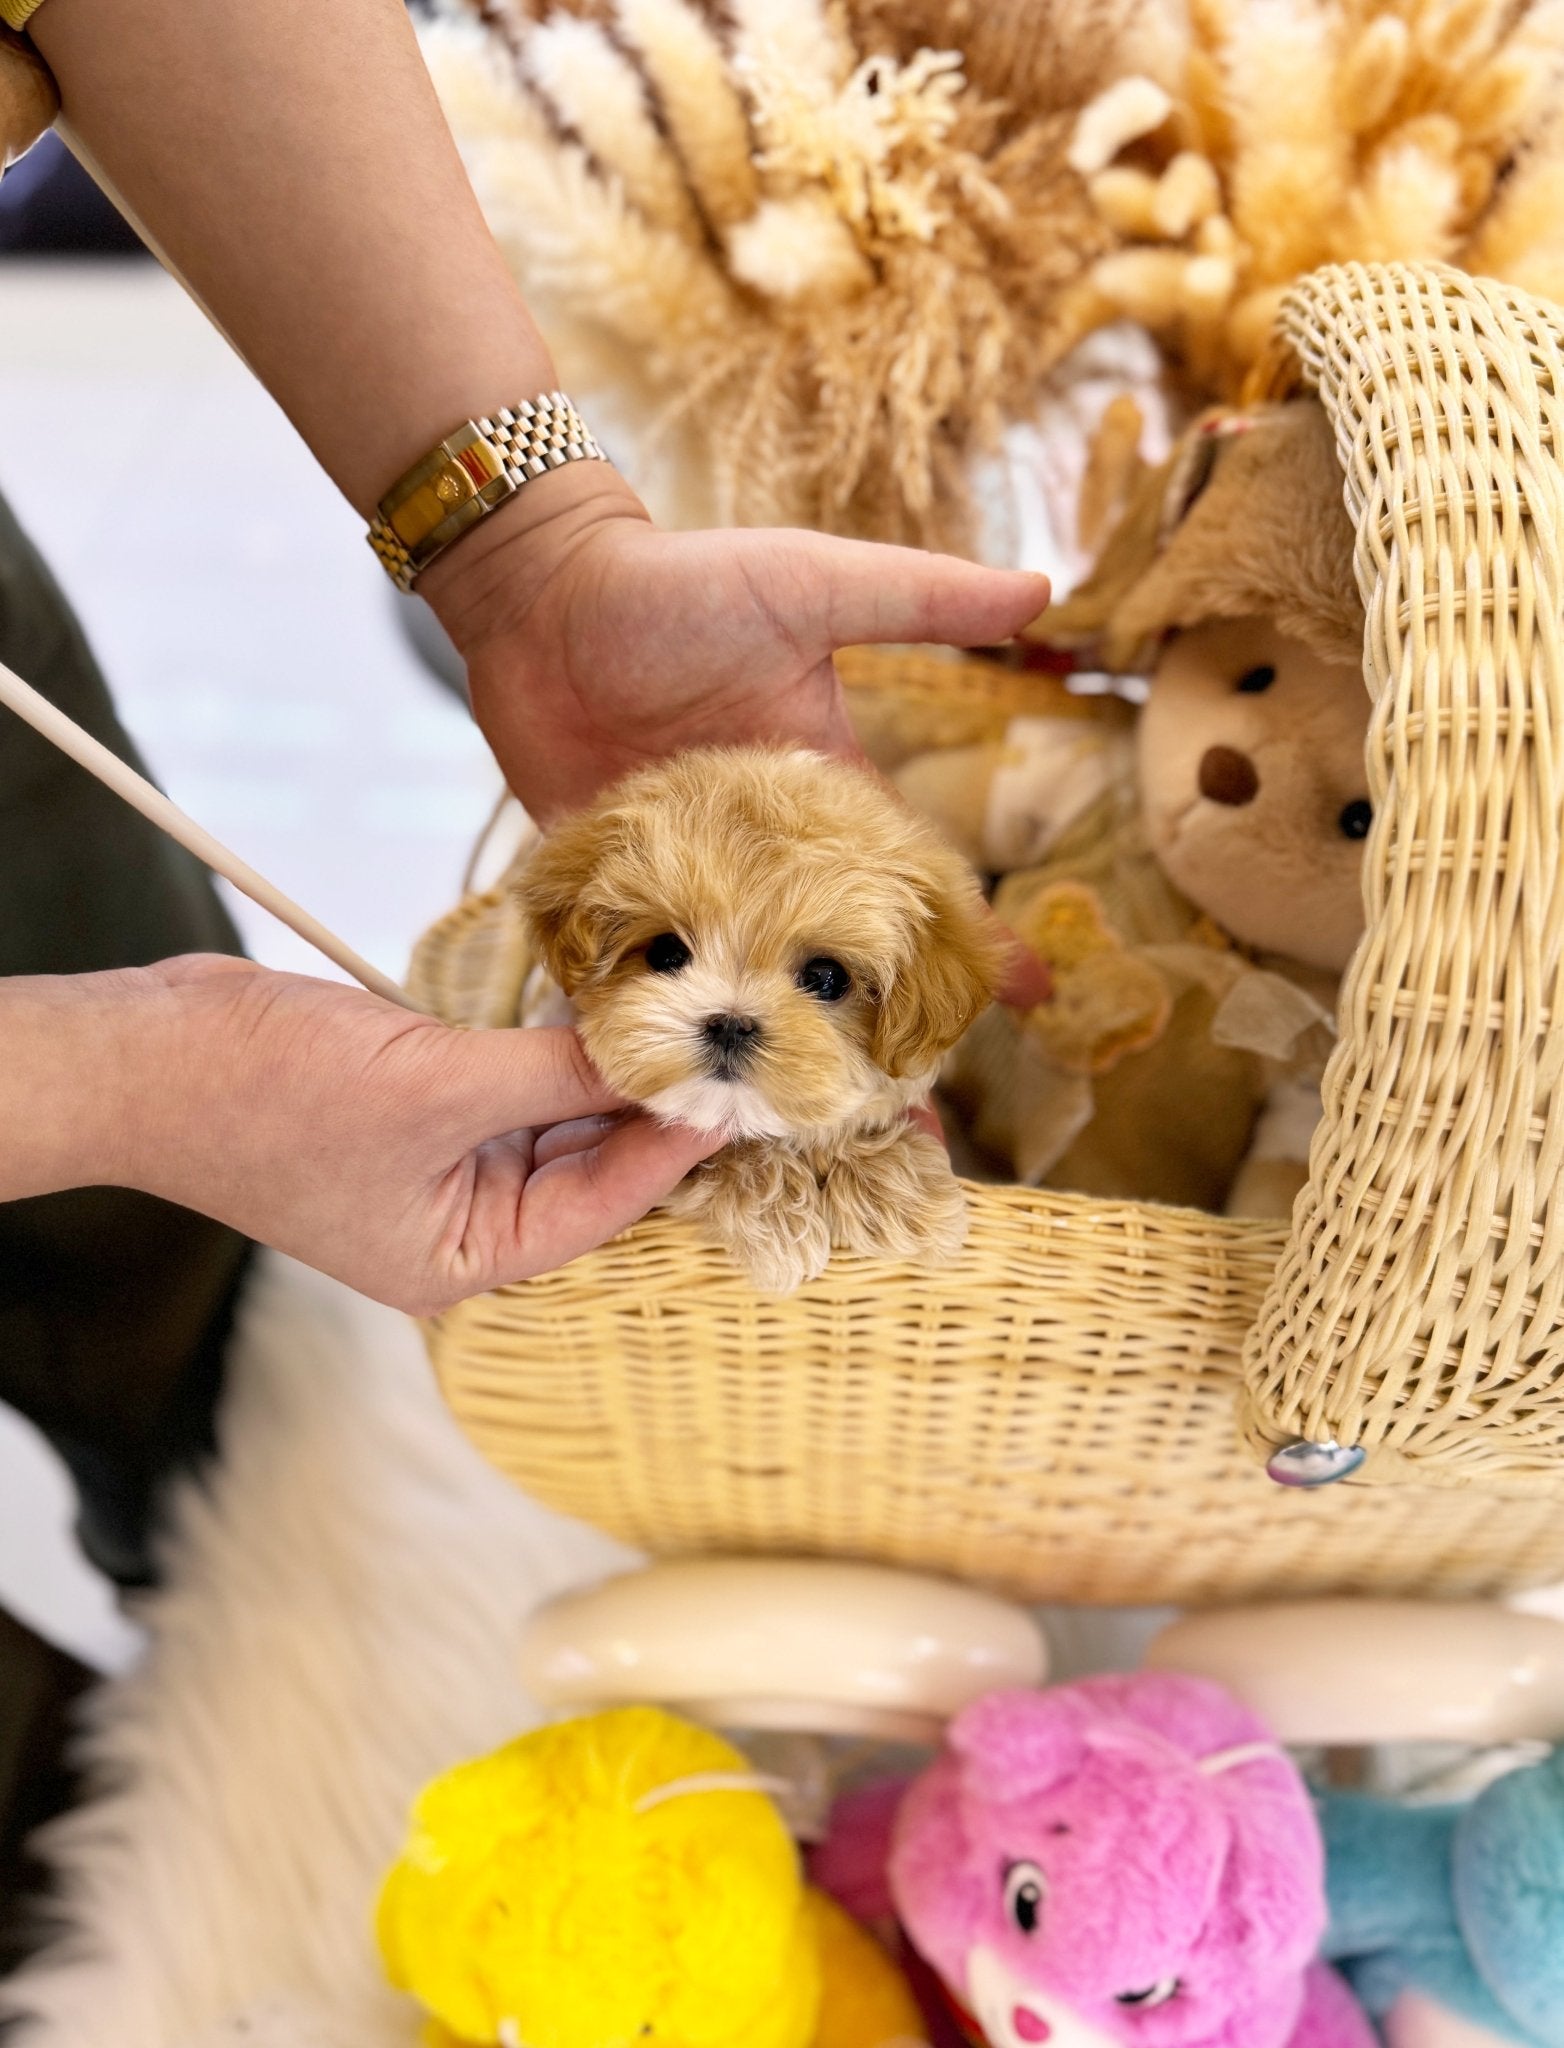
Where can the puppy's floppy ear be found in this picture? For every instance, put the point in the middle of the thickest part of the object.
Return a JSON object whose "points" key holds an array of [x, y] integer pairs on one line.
{"points": [[947, 980], [572, 934]]}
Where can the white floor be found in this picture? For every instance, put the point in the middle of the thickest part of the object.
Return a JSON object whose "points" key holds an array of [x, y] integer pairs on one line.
{"points": [[250, 640]]}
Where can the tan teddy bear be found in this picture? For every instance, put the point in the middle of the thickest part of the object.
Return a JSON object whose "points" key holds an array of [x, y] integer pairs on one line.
{"points": [[1195, 884]]}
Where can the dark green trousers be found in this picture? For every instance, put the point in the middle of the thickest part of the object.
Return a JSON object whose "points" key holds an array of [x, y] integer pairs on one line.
{"points": [[114, 1307]]}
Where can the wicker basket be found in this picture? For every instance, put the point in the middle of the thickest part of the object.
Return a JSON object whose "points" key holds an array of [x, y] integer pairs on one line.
{"points": [[1056, 1415]]}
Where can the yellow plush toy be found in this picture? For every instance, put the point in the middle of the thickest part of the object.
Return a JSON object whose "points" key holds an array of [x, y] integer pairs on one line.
{"points": [[623, 1881]]}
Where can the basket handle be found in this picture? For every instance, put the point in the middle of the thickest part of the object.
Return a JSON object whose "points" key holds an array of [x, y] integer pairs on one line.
{"points": [[1418, 1312]]}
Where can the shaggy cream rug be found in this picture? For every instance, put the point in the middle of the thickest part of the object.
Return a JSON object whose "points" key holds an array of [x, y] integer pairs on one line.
{"points": [[342, 1605]]}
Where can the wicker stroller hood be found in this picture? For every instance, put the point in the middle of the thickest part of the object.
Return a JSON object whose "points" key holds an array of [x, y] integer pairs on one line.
{"points": [[1417, 1309]]}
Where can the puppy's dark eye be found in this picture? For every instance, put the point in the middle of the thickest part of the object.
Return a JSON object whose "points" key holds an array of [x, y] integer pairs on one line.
{"points": [[1254, 680], [827, 979], [667, 953], [1154, 1994], [1356, 819]]}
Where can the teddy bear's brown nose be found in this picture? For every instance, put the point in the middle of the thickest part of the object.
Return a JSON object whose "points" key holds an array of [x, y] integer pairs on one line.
{"points": [[1227, 777]]}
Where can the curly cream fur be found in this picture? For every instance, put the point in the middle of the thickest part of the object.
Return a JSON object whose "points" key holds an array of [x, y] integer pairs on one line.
{"points": [[779, 1211], [759, 863], [890, 1194], [761, 1204]]}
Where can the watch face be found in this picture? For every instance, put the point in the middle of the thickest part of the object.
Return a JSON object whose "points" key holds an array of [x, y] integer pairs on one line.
{"points": [[475, 468]]}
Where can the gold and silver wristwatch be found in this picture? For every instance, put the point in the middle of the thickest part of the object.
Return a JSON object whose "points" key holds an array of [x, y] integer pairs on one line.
{"points": [[473, 470]]}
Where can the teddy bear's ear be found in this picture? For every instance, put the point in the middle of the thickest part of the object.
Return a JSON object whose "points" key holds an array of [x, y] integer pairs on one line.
{"points": [[1194, 464], [1245, 519], [1012, 1745], [1085, 619], [1255, 525], [1093, 617]]}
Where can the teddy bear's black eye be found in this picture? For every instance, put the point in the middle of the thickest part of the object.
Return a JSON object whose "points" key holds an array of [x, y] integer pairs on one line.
{"points": [[827, 979], [1356, 819], [1154, 1994], [667, 953], [1254, 680], [1025, 1890]]}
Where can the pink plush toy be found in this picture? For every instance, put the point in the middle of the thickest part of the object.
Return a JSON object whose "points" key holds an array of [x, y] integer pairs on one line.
{"points": [[1121, 1863]]}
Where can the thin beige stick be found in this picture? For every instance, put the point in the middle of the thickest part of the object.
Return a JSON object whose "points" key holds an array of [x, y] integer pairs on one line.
{"points": [[135, 789], [92, 755]]}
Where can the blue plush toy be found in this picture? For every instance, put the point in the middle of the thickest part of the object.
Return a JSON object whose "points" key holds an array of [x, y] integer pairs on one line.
{"points": [[1453, 1910]]}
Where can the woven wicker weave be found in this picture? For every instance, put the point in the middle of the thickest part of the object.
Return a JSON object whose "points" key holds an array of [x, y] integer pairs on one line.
{"points": [[1418, 1309], [1056, 1414]]}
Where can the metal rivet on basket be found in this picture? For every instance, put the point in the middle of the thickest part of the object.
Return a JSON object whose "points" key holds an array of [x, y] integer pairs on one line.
{"points": [[1301, 1463]]}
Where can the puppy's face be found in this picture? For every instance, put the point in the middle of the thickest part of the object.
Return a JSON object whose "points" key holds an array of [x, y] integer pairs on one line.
{"points": [[758, 942]]}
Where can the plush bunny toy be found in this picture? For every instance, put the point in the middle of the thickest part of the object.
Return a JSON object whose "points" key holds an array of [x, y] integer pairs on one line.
{"points": [[1121, 1863]]}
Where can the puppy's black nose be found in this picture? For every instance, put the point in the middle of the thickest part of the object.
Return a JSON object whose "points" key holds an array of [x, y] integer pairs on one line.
{"points": [[730, 1037], [1227, 777]]}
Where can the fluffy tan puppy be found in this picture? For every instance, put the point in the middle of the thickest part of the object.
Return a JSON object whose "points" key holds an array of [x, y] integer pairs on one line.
{"points": [[767, 944]]}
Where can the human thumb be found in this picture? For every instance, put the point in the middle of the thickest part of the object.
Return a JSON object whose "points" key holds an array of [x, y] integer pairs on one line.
{"points": [[869, 593], [505, 1080]]}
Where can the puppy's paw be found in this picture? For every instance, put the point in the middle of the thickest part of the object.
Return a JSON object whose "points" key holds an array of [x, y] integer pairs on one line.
{"points": [[780, 1260], [762, 1205], [945, 1218], [892, 1195]]}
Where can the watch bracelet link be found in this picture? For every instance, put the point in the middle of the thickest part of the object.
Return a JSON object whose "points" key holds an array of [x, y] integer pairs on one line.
{"points": [[474, 469]]}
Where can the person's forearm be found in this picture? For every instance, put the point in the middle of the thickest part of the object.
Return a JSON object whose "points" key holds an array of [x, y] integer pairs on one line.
{"points": [[291, 162], [71, 1049]]}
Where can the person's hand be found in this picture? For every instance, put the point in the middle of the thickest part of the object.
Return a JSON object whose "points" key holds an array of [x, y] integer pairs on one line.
{"points": [[417, 1163], [595, 642]]}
